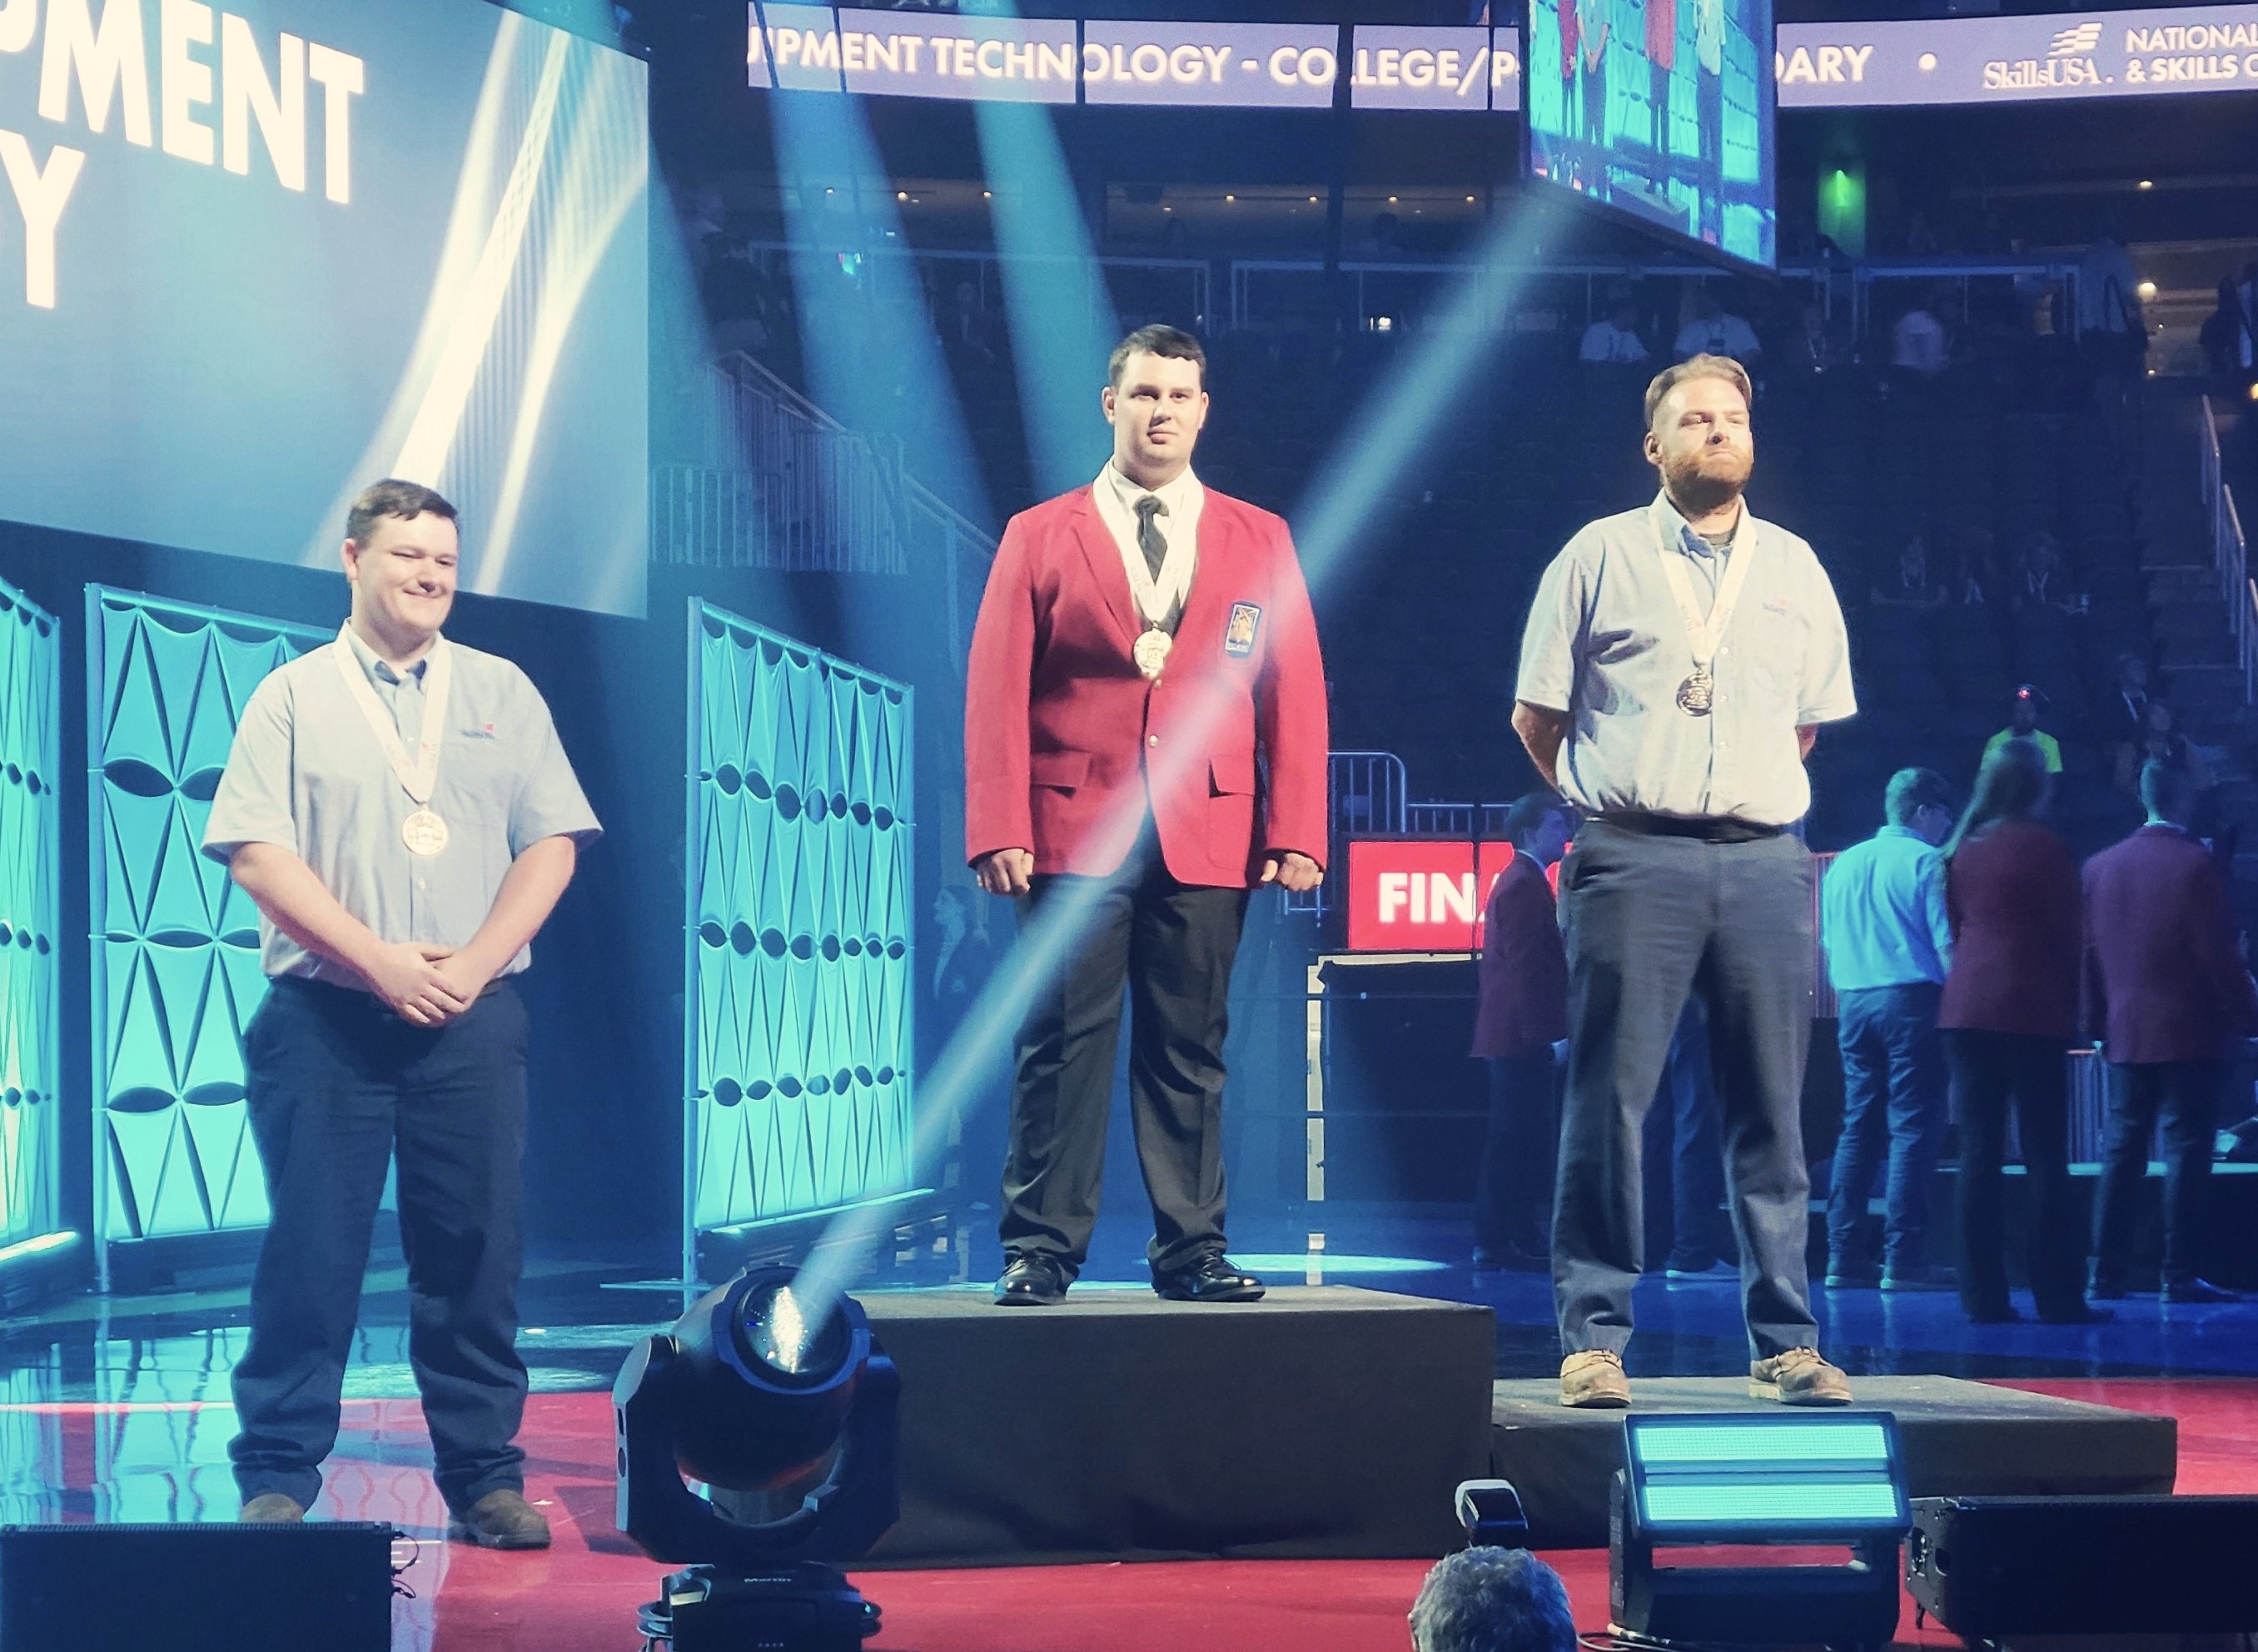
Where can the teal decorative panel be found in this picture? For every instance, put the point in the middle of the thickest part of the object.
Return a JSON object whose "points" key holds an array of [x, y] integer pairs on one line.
{"points": [[175, 943], [799, 991], [31, 901]]}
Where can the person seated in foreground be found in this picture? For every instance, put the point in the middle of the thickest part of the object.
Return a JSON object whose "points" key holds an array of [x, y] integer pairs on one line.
{"points": [[1492, 1600]]}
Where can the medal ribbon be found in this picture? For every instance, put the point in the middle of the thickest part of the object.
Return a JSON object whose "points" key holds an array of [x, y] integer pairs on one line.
{"points": [[1702, 635], [1154, 597], [421, 774]]}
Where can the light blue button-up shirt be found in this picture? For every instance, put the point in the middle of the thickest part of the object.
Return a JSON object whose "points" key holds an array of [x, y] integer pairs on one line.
{"points": [[307, 774], [1606, 645], [1881, 913]]}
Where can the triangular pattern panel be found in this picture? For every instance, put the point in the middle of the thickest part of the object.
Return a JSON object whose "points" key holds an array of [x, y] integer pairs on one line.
{"points": [[800, 856], [178, 975], [30, 835]]}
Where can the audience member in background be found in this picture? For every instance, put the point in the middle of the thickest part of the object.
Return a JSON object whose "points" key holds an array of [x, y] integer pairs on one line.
{"points": [[1973, 563], [2161, 741], [1492, 1600], [1889, 945], [1912, 588], [2023, 726], [1709, 330], [2039, 582], [1919, 343], [1521, 1011], [1813, 348], [2008, 1013], [968, 329], [1685, 1162], [2170, 996], [1614, 338], [2110, 324], [2128, 716], [2224, 334]]}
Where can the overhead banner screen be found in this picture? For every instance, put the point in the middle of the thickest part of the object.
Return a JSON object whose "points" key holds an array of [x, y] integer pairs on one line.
{"points": [[1228, 64], [253, 259], [2016, 60]]}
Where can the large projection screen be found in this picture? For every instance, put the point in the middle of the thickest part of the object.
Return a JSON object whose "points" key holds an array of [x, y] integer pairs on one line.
{"points": [[252, 259], [1659, 111]]}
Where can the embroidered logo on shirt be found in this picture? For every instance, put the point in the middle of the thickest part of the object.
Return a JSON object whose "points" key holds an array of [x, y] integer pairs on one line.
{"points": [[480, 731], [1239, 639]]}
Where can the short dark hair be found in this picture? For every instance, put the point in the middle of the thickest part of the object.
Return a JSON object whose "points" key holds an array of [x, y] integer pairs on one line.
{"points": [[1492, 1600], [1913, 790], [393, 497], [2166, 791], [1525, 814], [1158, 339], [1703, 366]]}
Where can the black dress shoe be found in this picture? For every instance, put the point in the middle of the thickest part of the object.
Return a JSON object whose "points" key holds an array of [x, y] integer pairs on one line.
{"points": [[1031, 1281], [1211, 1279], [2189, 1291], [1990, 1313]]}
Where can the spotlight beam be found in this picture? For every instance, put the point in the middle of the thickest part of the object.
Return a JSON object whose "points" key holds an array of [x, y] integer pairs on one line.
{"points": [[1063, 316], [1418, 393]]}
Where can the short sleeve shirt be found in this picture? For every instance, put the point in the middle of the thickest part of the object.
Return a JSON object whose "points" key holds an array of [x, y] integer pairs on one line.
{"points": [[307, 774], [1607, 644]]}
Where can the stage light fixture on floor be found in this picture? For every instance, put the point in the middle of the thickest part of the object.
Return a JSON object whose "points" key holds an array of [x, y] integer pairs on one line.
{"points": [[1762, 1481], [753, 1391]]}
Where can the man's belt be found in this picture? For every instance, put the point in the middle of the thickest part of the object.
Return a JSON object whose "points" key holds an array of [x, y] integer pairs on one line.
{"points": [[1705, 829]]}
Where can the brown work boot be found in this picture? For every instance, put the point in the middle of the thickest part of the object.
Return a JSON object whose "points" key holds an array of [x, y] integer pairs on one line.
{"points": [[272, 1508], [1594, 1381], [1799, 1376], [500, 1519]]}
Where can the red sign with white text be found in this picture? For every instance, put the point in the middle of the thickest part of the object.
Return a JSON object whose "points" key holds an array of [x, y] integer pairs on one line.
{"points": [[1420, 894]]}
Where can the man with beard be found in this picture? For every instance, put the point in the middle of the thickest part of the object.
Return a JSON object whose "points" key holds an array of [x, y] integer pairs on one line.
{"points": [[1677, 664]]}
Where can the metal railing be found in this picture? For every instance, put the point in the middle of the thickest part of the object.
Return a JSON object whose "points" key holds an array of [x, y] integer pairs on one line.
{"points": [[2230, 557], [778, 483], [1266, 291]]}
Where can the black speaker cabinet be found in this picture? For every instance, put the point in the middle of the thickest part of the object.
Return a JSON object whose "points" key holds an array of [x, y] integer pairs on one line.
{"points": [[189, 1588], [1989, 1567]]}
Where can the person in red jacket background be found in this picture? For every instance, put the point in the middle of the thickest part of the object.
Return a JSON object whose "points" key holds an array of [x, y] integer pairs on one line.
{"points": [[1521, 1011], [2006, 1016], [2170, 996], [1145, 728]]}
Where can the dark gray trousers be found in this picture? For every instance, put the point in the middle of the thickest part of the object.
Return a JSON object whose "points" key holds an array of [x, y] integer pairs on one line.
{"points": [[1649, 920], [1172, 945]]}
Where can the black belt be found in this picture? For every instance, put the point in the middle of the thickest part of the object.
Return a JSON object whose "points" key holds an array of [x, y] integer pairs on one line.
{"points": [[1712, 829]]}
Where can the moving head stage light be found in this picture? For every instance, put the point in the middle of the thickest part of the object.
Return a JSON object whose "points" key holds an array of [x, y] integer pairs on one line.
{"points": [[1762, 1481], [751, 1393]]}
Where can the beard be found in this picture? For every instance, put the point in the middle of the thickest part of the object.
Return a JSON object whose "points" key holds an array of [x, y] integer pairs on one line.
{"points": [[1699, 488]]}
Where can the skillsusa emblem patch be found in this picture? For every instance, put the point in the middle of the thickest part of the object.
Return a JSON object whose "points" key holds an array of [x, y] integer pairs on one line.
{"points": [[1239, 638]]}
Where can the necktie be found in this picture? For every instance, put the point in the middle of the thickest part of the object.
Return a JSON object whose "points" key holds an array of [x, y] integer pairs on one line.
{"points": [[1149, 534]]}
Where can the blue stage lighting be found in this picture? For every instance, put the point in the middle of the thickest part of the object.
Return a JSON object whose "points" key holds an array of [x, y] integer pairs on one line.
{"points": [[752, 1392], [1789, 1478]]}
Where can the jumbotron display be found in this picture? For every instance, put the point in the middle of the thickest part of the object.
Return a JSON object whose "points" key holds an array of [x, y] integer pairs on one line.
{"points": [[1662, 110], [252, 259]]}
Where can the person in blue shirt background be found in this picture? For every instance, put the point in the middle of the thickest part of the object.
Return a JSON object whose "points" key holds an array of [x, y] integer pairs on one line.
{"points": [[1882, 919]]}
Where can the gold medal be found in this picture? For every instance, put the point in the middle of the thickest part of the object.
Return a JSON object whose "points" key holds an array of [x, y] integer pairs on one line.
{"points": [[424, 833], [1152, 651], [1694, 693]]}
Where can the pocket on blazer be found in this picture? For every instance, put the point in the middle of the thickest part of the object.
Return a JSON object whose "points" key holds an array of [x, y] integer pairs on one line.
{"points": [[1058, 770], [1233, 776]]}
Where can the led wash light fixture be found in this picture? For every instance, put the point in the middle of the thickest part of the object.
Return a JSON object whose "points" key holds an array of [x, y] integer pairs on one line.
{"points": [[1762, 1480]]}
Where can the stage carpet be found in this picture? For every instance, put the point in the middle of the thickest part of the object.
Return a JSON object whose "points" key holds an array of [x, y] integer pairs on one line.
{"points": [[581, 1596]]}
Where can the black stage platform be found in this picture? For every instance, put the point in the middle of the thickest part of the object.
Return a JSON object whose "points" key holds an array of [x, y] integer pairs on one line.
{"points": [[1959, 1439], [1319, 1423]]}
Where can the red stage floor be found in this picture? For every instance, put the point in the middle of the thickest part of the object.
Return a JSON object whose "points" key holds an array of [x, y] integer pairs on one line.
{"points": [[168, 1462]]}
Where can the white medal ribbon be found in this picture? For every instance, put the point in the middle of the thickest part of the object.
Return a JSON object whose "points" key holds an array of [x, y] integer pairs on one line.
{"points": [[1155, 598], [1703, 633], [418, 774]]}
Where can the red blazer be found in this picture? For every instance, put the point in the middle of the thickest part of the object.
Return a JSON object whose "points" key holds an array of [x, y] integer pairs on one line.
{"points": [[1522, 1005], [1065, 741], [2163, 980], [2012, 897]]}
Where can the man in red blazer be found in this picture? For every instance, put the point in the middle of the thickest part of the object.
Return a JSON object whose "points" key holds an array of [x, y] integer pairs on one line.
{"points": [[1145, 732], [2167, 989]]}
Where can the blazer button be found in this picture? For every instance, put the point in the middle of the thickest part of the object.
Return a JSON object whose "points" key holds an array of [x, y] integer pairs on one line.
{"points": [[1152, 740]]}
